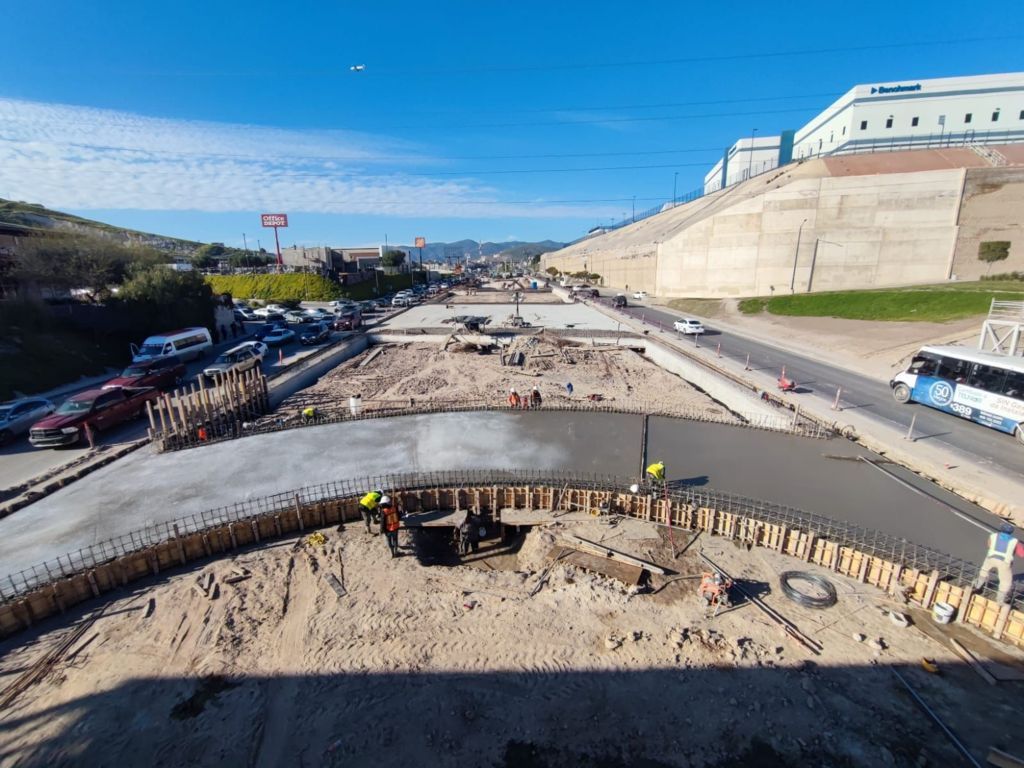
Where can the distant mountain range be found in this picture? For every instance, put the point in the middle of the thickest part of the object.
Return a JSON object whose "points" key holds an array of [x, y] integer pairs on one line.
{"points": [[38, 217], [513, 250]]}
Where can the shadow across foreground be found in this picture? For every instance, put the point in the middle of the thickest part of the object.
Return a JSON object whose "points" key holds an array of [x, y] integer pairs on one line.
{"points": [[713, 716]]}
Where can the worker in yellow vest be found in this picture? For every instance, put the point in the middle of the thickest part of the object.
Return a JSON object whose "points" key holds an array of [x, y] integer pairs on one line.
{"points": [[657, 471], [368, 506], [1002, 548]]}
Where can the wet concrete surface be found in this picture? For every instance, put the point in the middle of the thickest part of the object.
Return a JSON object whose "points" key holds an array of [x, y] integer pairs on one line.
{"points": [[802, 473], [146, 487]]}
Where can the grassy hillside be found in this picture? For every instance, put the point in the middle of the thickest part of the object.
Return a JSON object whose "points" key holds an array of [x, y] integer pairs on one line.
{"points": [[38, 216], [932, 303]]}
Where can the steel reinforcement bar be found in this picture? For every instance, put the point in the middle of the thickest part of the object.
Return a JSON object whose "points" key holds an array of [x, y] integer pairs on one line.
{"points": [[896, 565]]}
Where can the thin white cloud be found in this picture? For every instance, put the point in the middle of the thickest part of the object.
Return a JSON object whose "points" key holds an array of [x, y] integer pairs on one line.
{"points": [[85, 158]]}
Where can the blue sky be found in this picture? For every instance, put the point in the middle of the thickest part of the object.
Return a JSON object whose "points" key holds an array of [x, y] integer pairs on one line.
{"points": [[470, 120]]}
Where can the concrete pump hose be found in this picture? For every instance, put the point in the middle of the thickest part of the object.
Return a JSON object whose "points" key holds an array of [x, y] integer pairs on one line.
{"points": [[825, 600]]}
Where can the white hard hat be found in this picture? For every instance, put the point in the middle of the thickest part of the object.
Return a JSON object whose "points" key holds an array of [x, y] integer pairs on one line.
{"points": [[512, 389], [634, 488], [385, 499]]}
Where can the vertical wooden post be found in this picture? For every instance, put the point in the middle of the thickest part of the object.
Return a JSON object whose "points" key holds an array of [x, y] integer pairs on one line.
{"points": [[181, 548], [1001, 619], [929, 590], [91, 576], [298, 513]]}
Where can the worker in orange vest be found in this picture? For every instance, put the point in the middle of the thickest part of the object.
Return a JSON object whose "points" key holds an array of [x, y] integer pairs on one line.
{"points": [[390, 521], [513, 398]]}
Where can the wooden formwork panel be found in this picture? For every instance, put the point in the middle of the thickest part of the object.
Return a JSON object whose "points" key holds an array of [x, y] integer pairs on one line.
{"points": [[1013, 632], [850, 561], [983, 613], [791, 541], [949, 593]]}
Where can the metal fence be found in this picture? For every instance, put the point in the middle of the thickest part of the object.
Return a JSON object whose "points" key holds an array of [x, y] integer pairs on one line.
{"points": [[875, 543]]}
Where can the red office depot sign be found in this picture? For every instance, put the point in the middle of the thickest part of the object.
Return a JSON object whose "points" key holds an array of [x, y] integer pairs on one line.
{"points": [[274, 219]]}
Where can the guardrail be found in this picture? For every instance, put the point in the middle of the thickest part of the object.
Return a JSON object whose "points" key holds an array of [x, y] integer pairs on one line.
{"points": [[874, 557]]}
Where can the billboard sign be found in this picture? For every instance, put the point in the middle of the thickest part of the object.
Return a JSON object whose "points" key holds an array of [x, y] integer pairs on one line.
{"points": [[274, 219], [992, 410], [421, 242]]}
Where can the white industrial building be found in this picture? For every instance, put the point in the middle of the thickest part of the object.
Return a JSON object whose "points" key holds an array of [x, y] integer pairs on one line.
{"points": [[950, 111]]}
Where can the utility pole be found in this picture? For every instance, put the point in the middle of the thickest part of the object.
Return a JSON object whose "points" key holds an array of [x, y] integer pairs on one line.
{"points": [[245, 243], [750, 160], [796, 255], [814, 258]]}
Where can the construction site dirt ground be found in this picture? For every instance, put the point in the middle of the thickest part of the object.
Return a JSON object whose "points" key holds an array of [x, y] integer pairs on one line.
{"points": [[395, 374], [508, 659]]}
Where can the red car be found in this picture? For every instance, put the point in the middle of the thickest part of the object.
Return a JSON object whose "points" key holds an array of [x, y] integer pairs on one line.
{"points": [[160, 372], [348, 320], [99, 408]]}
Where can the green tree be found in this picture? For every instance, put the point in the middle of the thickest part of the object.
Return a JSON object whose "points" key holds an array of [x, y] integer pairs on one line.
{"points": [[65, 262], [206, 256], [392, 259], [553, 271], [992, 251], [164, 298]]}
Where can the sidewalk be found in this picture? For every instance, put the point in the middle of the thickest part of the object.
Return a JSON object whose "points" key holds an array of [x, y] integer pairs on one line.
{"points": [[951, 469]]}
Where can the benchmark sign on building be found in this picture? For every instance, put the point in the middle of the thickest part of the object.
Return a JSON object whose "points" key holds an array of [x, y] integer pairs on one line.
{"points": [[275, 220]]}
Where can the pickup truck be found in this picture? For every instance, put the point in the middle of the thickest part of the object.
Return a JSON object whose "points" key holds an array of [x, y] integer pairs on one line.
{"points": [[99, 408]]}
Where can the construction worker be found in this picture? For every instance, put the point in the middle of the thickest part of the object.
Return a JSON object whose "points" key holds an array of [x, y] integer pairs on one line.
{"points": [[657, 471], [368, 506], [535, 398], [389, 518], [513, 398], [309, 414], [1002, 548], [568, 388]]}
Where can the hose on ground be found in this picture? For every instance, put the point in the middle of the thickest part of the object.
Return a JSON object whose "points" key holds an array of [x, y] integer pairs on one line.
{"points": [[825, 586]]}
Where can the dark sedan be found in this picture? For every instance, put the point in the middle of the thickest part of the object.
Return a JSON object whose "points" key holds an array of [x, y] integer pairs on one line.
{"points": [[316, 333]]}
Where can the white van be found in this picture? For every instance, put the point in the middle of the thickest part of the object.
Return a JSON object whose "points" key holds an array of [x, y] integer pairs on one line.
{"points": [[187, 344]]}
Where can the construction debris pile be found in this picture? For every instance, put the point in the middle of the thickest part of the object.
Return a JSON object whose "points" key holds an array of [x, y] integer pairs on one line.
{"points": [[322, 650], [401, 375]]}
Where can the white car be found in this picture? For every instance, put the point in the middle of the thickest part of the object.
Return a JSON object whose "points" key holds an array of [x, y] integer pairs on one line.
{"points": [[260, 348], [401, 301], [640, 294], [689, 326], [279, 336]]}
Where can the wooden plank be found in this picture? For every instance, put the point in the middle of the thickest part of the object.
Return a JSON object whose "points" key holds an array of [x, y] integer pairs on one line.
{"points": [[1003, 759], [629, 575], [967, 656], [578, 542], [336, 585]]}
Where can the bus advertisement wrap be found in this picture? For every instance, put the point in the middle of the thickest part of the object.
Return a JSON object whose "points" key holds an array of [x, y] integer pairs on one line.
{"points": [[969, 403]]}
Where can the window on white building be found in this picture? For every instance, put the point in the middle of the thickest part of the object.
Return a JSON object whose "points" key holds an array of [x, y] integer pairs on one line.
{"points": [[888, 122], [967, 117], [995, 116], [863, 125], [913, 122]]}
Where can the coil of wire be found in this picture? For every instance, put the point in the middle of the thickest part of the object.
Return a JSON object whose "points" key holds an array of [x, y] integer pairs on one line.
{"points": [[823, 596]]}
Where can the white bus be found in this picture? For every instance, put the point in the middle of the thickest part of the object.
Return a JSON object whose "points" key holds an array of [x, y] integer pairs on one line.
{"points": [[187, 344], [981, 386]]}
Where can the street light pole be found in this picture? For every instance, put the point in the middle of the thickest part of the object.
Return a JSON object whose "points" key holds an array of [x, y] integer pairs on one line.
{"points": [[796, 255], [675, 178], [814, 258]]}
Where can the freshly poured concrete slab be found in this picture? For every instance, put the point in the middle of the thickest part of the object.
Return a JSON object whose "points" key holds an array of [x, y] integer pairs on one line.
{"points": [[800, 473], [565, 316], [147, 487]]}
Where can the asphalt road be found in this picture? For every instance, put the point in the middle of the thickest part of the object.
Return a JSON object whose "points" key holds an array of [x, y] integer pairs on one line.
{"points": [[871, 397], [20, 461]]}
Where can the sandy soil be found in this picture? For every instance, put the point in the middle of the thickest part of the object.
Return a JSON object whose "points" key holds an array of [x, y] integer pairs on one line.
{"points": [[424, 662], [458, 373], [878, 349]]}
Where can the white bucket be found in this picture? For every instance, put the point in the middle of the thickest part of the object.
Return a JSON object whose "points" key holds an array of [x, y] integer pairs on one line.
{"points": [[943, 613], [355, 405]]}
